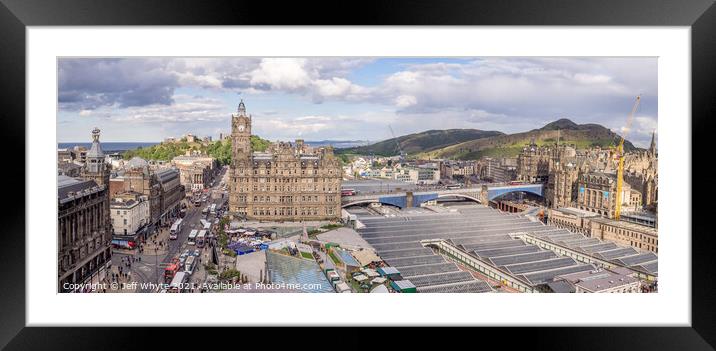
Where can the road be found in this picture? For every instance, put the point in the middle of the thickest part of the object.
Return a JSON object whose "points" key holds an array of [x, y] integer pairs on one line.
{"points": [[151, 267]]}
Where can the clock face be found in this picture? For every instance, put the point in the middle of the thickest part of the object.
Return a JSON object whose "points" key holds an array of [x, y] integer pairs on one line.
{"points": [[241, 127]]}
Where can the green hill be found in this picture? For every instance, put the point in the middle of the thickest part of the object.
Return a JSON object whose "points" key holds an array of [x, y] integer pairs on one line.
{"points": [[220, 149], [509, 145], [419, 142]]}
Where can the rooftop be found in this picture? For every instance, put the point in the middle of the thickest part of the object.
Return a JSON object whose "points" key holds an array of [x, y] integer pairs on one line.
{"points": [[598, 280], [388, 270], [290, 270], [404, 284], [192, 158], [347, 258], [628, 225], [119, 203], [136, 162], [68, 188], [488, 235], [576, 212]]}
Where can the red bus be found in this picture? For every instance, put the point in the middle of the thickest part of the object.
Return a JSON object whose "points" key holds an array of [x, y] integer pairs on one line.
{"points": [[170, 271]]}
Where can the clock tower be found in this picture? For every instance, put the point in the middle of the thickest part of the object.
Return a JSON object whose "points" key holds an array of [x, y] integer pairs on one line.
{"points": [[240, 137], [240, 171]]}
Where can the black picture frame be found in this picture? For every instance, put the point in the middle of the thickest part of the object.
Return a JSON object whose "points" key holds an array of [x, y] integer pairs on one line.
{"points": [[16, 15]]}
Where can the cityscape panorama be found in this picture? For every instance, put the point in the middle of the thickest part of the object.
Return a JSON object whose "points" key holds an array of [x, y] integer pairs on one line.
{"points": [[357, 175]]}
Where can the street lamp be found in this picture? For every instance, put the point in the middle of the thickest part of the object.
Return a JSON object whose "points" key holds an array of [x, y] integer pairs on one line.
{"points": [[156, 265]]}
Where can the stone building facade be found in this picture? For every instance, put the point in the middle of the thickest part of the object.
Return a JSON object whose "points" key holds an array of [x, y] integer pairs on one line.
{"points": [[84, 254], [197, 172], [572, 219], [597, 193], [562, 186], [641, 237], [641, 172], [287, 182], [458, 169], [496, 170], [162, 188], [534, 163], [171, 194]]}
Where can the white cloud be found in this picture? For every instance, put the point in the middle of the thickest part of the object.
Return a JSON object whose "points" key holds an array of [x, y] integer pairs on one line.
{"points": [[185, 109], [281, 73], [644, 126], [506, 94], [592, 78], [332, 87], [294, 127], [405, 101]]}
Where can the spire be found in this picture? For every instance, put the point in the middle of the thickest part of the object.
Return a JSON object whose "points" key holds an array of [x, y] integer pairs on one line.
{"points": [[242, 108], [558, 135], [95, 157], [95, 134], [96, 149], [652, 147]]}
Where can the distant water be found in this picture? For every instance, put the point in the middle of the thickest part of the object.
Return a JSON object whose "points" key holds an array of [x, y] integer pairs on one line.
{"points": [[338, 144], [124, 146], [108, 146]]}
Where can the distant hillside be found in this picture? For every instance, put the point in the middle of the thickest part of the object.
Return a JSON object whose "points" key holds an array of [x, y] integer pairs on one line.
{"points": [[420, 142], [509, 145], [220, 149]]}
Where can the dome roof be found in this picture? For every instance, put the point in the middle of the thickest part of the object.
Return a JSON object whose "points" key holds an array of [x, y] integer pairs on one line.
{"points": [[137, 162], [96, 149]]}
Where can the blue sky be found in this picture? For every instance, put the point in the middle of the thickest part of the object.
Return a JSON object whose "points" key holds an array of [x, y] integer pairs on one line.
{"points": [[149, 99]]}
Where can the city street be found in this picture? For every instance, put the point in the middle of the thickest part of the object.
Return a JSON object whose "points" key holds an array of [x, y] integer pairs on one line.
{"points": [[148, 267]]}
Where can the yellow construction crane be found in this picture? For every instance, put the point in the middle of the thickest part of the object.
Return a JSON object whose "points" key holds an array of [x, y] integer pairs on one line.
{"points": [[620, 154]]}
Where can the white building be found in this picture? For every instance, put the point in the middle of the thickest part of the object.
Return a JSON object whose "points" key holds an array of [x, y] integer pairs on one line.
{"points": [[386, 172], [419, 175], [402, 177], [370, 173], [129, 213]]}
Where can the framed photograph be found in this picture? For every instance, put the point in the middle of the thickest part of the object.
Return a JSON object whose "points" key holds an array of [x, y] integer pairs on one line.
{"points": [[456, 165]]}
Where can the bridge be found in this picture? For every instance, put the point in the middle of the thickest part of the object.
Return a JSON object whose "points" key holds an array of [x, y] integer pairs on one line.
{"points": [[482, 194]]}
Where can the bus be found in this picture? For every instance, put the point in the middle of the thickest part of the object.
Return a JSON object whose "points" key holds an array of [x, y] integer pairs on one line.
{"points": [[189, 264], [201, 238], [348, 192], [170, 271], [212, 209], [176, 229], [178, 284], [192, 236]]}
